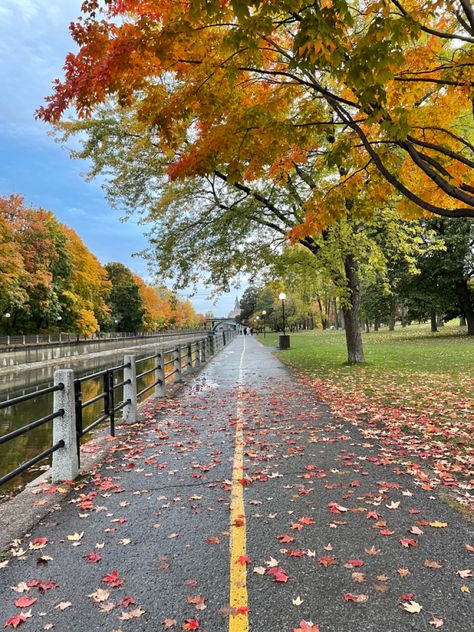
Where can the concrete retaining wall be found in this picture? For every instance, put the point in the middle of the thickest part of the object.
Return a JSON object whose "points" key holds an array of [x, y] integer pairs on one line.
{"points": [[16, 355]]}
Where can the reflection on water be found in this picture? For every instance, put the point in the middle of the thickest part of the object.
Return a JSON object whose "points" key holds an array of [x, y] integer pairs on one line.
{"points": [[24, 447]]}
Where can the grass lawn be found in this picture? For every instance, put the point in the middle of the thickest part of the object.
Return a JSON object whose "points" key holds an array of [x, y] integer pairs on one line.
{"points": [[414, 394]]}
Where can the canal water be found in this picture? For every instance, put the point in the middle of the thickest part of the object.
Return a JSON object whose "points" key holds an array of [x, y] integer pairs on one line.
{"points": [[24, 447]]}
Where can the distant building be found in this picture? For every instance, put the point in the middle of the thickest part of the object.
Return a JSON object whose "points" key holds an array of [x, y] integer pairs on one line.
{"points": [[236, 311]]}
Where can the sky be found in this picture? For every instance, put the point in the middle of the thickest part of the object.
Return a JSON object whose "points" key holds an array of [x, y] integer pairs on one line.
{"points": [[34, 40]]}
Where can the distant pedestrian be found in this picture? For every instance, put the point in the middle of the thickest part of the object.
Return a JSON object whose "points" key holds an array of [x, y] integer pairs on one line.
{"points": [[245, 331]]}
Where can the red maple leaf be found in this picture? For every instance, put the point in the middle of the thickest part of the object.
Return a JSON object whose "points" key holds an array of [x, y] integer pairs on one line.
{"points": [[241, 610], [306, 625], [126, 601], [279, 575], [243, 559], [326, 560], [355, 563], [285, 538], [295, 553], [191, 624], [113, 579], [25, 602], [44, 586], [17, 620], [93, 557]]}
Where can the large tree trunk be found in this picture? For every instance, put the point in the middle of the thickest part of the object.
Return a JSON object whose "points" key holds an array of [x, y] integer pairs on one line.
{"points": [[464, 297], [355, 351], [434, 322]]}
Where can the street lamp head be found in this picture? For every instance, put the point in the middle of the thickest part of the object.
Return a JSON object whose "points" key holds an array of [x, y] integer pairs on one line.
{"points": [[264, 312], [7, 314], [282, 296], [59, 318], [257, 317]]}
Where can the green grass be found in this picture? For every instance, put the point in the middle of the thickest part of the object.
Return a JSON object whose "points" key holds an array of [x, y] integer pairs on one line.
{"points": [[411, 349]]}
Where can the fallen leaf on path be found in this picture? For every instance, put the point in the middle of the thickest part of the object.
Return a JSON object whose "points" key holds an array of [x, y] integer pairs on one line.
{"points": [[100, 595], [412, 607], [113, 579], [437, 623], [133, 614], [76, 537], [432, 564], [38, 543], [260, 570], [25, 602], [17, 619], [305, 626], [356, 598]]}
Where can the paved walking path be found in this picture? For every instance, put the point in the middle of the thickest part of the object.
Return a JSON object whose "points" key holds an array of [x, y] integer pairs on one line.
{"points": [[244, 505]]}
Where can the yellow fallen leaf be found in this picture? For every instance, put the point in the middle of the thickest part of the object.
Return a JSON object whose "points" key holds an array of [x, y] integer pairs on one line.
{"points": [[76, 537], [100, 595], [436, 622], [465, 589], [412, 607], [438, 524], [131, 614]]}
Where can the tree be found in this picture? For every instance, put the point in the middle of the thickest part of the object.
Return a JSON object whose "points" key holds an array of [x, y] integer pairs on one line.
{"points": [[125, 301], [12, 271], [248, 303], [251, 87], [87, 289], [445, 283]]}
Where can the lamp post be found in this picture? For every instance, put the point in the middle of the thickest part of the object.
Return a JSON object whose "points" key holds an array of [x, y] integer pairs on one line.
{"points": [[284, 340], [264, 313], [257, 318], [8, 316]]}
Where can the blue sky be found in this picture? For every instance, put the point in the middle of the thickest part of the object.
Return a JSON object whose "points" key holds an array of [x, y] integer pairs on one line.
{"points": [[34, 40]]}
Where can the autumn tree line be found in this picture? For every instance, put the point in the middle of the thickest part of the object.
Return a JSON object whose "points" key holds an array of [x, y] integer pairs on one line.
{"points": [[50, 281], [333, 139]]}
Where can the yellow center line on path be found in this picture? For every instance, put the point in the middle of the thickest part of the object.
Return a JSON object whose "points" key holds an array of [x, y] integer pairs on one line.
{"points": [[238, 619]]}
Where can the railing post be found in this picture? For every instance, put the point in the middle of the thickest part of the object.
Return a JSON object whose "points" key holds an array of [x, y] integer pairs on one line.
{"points": [[160, 374], [65, 465], [189, 348], [177, 363], [130, 390], [212, 344]]}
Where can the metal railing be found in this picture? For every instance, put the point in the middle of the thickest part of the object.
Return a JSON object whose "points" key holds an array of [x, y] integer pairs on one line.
{"points": [[169, 364], [31, 426], [44, 339]]}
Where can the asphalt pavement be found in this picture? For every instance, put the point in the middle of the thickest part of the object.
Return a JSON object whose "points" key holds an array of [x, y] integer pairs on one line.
{"points": [[243, 504]]}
